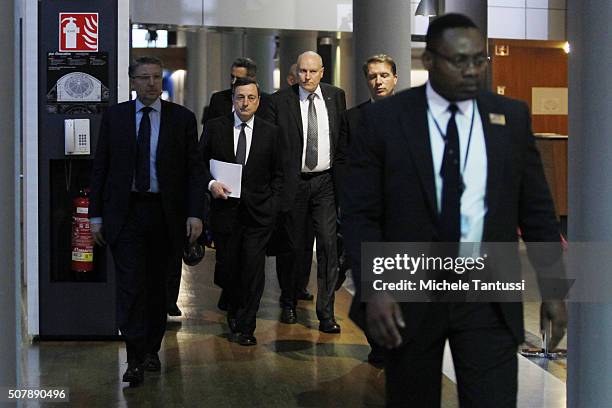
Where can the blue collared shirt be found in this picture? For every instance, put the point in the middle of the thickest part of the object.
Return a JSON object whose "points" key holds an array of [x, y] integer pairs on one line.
{"points": [[155, 117]]}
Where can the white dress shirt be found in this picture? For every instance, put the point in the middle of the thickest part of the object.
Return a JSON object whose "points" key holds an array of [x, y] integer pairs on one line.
{"points": [[248, 131], [324, 146], [474, 171]]}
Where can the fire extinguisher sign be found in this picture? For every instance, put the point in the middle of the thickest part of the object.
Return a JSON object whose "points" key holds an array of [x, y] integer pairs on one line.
{"points": [[78, 32]]}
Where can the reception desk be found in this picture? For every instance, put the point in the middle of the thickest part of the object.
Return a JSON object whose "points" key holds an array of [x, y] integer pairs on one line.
{"points": [[553, 150]]}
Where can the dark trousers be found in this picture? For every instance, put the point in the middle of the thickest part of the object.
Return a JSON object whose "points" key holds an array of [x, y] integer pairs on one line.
{"points": [[284, 249], [243, 256], [143, 254], [173, 282], [303, 276], [314, 205], [484, 356]]}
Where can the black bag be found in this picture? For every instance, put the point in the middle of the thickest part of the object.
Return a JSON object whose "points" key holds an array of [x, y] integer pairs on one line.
{"points": [[193, 253]]}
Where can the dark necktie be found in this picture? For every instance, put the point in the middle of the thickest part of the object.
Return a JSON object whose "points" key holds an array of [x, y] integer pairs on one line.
{"points": [[241, 147], [450, 215], [312, 140], [143, 152]]}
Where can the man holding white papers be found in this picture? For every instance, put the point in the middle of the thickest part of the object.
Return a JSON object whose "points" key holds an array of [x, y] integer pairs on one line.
{"points": [[242, 226]]}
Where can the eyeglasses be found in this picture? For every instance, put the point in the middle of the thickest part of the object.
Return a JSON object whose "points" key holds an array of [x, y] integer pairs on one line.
{"points": [[146, 78], [463, 61]]}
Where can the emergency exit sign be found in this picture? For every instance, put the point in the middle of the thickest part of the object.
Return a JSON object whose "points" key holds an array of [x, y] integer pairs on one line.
{"points": [[78, 32]]}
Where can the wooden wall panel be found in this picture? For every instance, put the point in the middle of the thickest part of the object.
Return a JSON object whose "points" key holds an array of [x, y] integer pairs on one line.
{"points": [[531, 64], [554, 160]]}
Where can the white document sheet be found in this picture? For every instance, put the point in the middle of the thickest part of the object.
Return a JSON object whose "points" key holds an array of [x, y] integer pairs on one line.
{"points": [[229, 174]]}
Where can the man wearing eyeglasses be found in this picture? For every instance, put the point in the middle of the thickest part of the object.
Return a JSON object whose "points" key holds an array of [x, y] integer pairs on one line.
{"points": [[242, 223], [448, 162], [147, 194]]}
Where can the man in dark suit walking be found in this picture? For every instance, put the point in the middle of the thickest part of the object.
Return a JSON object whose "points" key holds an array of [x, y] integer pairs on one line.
{"points": [[147, 194], [380, 73], [242, 226], [221, 103], [302, 276], [309, 114], [448, 162]]}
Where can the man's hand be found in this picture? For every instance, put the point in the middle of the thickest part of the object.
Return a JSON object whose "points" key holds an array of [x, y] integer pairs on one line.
{"points": [[553, 317], [383, 320], [219, 190], [194, 228], [96, 231]]}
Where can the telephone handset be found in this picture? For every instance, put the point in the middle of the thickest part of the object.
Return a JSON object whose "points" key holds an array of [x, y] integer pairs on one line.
{"points": [[77, 139]]}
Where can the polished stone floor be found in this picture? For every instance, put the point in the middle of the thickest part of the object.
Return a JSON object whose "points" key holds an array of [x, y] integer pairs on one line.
{"points": [[292, 365]]}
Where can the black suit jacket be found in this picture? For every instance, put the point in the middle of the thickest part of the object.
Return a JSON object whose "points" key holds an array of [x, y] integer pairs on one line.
{"points": [[285, 112], [179, 169], [392, 186], [262, 176], [221, 105], [352, 124]]}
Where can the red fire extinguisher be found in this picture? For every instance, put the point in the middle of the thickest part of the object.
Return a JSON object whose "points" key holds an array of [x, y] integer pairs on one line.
{"points": [[82, 240]]}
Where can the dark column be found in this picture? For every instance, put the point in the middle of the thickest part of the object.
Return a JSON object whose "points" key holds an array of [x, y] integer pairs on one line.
{"points": [[589, 366], [381, 27], [474, 9], [291, 45], [261, 48], [9, 349]]}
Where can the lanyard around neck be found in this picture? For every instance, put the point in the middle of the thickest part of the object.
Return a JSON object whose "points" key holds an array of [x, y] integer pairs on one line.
{"points": [[443, 135]]}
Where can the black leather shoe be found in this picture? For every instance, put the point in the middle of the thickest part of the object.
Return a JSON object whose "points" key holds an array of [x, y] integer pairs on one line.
{"points": [[233, 324], [173, 310], [234, 337], [134, 375], [151, 362], [304, 295], [329, 326], [288, 315], [247, 340]]}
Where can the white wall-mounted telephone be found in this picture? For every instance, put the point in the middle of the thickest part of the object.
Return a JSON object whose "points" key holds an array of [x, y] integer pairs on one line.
{"points": [[77, 139]]}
